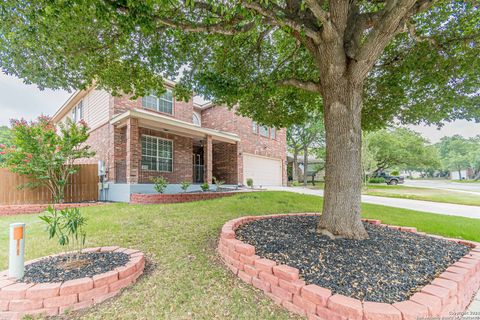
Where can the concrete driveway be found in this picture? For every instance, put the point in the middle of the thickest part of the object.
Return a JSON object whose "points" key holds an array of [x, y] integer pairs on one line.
{"points": [[444, 184], [418, 205]]}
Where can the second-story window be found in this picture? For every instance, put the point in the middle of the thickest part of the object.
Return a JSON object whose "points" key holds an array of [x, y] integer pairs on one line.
{"points": [[163, 103], [263, 130], [77, 112], [254, 127]]}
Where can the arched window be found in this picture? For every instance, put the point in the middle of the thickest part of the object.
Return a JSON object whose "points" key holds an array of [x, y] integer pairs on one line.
{"points": [[196, 119]]}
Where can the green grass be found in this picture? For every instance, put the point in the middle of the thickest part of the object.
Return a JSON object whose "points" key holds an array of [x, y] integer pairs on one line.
{"points": [[415, 193], [466, 181], [184, 278]]}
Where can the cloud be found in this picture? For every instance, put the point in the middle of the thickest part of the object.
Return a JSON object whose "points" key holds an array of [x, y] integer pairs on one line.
{"points": [[18, 100]]}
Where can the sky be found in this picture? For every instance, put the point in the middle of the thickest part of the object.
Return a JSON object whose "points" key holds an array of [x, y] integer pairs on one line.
{"points": [[19, 100]]}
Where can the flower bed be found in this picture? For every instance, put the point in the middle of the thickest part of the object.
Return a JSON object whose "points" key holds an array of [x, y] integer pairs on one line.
{"points": [[18, 299], [450, 292], [156, 198]]}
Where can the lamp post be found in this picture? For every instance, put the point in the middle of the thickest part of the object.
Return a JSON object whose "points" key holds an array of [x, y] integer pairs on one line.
{"points": [[16, 259]]}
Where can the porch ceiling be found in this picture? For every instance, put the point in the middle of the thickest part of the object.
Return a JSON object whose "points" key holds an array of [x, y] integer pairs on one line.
{"points": [[160, 122]]}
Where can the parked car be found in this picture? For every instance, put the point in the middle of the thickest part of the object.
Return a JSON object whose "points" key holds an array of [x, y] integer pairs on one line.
{"points": [[389, 179]]}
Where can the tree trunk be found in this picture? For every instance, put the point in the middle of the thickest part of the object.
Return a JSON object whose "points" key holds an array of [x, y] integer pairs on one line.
{"points": [[459, 174], [295, 166], [343, 170], [305, 166]]}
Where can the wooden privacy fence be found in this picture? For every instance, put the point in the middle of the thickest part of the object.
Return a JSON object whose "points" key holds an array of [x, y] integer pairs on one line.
{"points": [[81, 187]]}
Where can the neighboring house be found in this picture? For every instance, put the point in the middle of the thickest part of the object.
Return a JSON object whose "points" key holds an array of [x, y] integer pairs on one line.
{"points": [[315, 167], [182, 141], [463, 174]]}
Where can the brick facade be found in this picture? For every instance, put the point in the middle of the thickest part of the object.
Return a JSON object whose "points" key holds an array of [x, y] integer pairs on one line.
{"points": [[221, 118], [225, 162]]}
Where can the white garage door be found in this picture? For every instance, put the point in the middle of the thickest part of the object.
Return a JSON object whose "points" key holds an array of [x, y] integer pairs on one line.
{"points": [[264, 171]]}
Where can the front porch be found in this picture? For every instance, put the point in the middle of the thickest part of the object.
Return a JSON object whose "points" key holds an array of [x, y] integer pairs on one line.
{"points": [[149, 145]]}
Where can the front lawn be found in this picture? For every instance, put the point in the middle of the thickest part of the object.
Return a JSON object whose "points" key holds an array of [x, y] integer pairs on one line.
{"points": [[184, 278]]}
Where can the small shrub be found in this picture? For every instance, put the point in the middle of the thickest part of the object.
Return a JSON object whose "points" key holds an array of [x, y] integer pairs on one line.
{"points": [[395, 173], [250, 182], [67, 226], [160, 184], [204, 186], [376, 180], [184, 185], [218, 183], [295, 183]]}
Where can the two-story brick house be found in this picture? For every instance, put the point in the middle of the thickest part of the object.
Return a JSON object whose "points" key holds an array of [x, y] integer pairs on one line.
{"points": [[139, 139]]}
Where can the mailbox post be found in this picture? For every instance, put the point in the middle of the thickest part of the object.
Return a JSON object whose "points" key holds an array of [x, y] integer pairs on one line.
{"points": [[16, 259]]}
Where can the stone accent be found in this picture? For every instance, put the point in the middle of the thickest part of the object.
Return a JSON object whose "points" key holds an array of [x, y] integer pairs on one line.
{"points": [[452, 291], [144, 198], [50, 299]]}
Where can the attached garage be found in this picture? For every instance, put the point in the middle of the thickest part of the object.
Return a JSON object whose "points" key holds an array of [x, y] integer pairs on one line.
{"points": [[263, 170]]}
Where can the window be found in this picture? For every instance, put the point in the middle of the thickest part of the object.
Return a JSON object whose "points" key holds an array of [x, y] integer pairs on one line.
{"points": [[164, 103], [254, 126], [196, 119], [157, 154], [263, 130], [77, 112], [272, 133]]}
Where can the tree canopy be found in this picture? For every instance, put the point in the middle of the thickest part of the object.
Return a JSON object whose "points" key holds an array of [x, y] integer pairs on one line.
{"points": [[248, 52], [459, 153]]}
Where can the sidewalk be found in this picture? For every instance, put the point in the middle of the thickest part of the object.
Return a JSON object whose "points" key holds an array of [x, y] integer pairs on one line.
{"points": [[417, 205]]}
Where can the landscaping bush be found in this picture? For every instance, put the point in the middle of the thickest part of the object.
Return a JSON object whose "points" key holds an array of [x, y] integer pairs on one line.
{"points": [[185, 186], [205, 186], [395, 173], [250, 182], [67, 226], [160, 184], [218, 183], [376, 180]]}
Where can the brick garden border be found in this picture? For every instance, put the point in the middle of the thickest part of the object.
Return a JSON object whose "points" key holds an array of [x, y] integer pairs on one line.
{"points": [[18, 299], [450, 292], [7, 210], [157, 198]]}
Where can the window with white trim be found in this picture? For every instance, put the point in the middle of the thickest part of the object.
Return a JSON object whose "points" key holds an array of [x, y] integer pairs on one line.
{"points": [[157, 154], [77, 112], [272, 133], [254, 127], [196, 119], [263, 130], [163, 103]]}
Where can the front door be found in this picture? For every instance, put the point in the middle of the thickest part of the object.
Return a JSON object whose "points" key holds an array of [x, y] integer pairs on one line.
{"points": [[198, 165]]}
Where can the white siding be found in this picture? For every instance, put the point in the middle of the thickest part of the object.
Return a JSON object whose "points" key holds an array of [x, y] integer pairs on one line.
{"points": [[95, 108]]}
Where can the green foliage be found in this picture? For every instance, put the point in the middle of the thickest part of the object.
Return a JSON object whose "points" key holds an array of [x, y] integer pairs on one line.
{"points": [[413, 81], [395, 173], [250, 182], [39, 151], [205, 187], [401, 148], [218, 184], [67, 226], [5, 140], [184, 185], [458, 153], [295, 183], [160, 184], [376, 180]]}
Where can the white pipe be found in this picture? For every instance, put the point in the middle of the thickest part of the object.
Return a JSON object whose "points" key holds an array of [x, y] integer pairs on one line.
{"points": [[16, 259]]}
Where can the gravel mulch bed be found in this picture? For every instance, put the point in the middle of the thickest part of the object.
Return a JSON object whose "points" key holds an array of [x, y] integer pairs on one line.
{"points": [[389, 267], [50, 269]]}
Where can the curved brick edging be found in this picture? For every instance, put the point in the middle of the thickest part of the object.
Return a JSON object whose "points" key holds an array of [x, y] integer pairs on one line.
{"points": [[18, 299], [450, 292], [158, 198]]}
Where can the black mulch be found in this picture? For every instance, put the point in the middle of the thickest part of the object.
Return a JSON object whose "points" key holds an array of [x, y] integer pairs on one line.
{"points": [[50, 270], [389, 267]]}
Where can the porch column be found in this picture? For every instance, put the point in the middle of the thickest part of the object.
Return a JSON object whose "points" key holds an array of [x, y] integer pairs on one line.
{"points": [[207, 159], [133, 151]]}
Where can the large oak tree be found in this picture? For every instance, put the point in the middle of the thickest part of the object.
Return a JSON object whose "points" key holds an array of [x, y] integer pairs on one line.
{"points": [[370, 61]]}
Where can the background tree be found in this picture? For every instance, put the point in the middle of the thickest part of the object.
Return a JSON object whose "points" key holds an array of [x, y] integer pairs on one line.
{"points": [[457, 153], [400, 148], [413, 60], [45, 155], [4, 140], [303, 137]]}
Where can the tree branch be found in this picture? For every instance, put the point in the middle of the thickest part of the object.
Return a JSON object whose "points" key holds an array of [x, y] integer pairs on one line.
{"points": [[226, 28], [300, 84], [319, 13]]}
